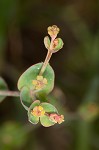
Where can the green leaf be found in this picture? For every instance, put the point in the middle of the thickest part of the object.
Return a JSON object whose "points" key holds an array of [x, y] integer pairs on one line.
{"points": [[26, 97], [33, 119], [32, 73], [49, 108], [3, 87], [45, 121]]}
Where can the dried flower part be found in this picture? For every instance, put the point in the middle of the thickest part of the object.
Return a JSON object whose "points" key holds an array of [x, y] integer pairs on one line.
{"points": [[38, 111], [55, 43], [40, 82], [57, 118], [53, 31]]}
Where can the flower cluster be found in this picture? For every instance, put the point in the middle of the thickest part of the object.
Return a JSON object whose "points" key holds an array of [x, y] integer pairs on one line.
{"points": [[38, 111], [56, 43], [45, 113], [39, 83], [53, 31], [57, 118]]}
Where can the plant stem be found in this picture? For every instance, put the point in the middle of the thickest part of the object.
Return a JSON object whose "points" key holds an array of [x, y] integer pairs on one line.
{"points": [[49, 54], [10, 93]]}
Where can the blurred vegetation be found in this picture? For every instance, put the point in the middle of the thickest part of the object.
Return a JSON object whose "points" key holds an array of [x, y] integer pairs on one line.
{"points": [[22, 29]]}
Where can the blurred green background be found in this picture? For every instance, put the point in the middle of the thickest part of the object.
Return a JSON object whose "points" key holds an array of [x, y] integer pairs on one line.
{"points": [[23, 25]]}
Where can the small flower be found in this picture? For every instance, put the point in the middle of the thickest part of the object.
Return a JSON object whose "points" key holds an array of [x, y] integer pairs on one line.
{"points": [[43, 113], [40, 82], [53, 31], [57, 118], [38, 111]]}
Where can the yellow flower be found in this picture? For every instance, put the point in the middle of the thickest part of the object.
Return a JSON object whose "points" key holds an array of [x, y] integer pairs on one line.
{"points": [[40, 82], [53, 31], [57, 118], [38, 111]]}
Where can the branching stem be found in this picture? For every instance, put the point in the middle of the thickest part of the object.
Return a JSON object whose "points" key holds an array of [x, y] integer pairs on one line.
{"points": [[47, 59], [10, 93]]}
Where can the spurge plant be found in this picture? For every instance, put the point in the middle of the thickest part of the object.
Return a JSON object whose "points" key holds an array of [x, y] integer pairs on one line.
{"points": [[37, 82]]}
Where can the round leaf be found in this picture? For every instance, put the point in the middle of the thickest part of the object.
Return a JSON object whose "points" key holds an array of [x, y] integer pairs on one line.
{"points": [[3, 87], [49, 108], [45, 121], [26, 97], [31, 74]]}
